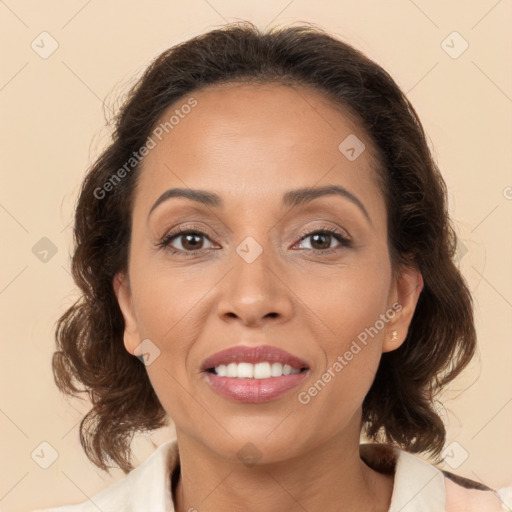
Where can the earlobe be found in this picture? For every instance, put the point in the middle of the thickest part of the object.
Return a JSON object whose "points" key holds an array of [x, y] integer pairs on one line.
{"points": [[408, 288], [122, 291]]}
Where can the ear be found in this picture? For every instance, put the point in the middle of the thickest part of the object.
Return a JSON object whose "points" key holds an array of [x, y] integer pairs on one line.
{"points": [[407, 289], [124, 298]]}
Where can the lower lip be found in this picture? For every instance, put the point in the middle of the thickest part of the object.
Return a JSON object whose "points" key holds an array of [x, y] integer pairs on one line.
{"points": [[254, 391]]}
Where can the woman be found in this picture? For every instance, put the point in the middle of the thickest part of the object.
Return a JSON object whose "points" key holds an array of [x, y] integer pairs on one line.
{"points": [[265, 257]]}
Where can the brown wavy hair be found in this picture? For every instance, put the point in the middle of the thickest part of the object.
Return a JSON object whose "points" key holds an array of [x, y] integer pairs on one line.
{"points": [[91, 357]]}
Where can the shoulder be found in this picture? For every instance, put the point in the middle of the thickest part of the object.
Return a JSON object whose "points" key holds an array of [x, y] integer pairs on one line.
{"points": [[144, 488], [423, 487], [112, 498], [469, 495]]}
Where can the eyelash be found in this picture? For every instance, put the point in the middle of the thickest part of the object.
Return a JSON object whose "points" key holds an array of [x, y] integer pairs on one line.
{"points": [[192, 230]]}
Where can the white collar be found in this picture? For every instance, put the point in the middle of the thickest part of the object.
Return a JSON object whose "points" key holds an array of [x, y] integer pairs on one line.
{"points": [[418, 485]]}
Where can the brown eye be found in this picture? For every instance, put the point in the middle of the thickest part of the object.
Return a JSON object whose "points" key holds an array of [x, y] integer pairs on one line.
{"points": [[185, 241], [191, 241], [321, 240]]}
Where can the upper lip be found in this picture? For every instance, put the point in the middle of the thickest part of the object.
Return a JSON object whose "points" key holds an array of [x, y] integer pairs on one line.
{"points": [[258, 354]]}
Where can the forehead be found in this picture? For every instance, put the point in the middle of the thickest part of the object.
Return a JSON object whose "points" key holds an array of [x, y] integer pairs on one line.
{"points": [[256, 141]]}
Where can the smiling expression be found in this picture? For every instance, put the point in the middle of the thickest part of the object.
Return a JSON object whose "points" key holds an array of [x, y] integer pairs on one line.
{"points": [[250, 227]]}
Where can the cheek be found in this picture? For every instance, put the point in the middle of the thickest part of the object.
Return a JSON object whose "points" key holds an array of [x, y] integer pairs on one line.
{"points": [[346, 301], [348, 313], [335, 393], [336, 307], [167, 301], [172, 306]]}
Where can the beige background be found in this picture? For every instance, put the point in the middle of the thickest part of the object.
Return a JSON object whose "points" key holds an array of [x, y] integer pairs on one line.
{"points": [[53, 127]]}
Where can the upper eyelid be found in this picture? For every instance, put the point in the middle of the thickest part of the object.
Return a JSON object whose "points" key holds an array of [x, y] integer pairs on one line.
{"points": [[210, 216], [167, 238], [306, 232]]}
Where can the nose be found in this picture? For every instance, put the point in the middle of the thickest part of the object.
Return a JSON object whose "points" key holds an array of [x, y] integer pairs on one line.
{"points": [[255, 292]]}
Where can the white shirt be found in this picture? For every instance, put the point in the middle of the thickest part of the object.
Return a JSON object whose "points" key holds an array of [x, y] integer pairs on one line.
{"points": [[418, 486]]}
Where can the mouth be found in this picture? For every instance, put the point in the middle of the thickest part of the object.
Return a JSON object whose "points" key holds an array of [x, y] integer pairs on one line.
{"points": [[254, 374], [261, 370], [259, 362]]}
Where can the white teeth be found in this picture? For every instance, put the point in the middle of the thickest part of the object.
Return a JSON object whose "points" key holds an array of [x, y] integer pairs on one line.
{"points": [[231, 370], [245, 371], [277, 370], [262, 370], [221, 370], [287, 370]]}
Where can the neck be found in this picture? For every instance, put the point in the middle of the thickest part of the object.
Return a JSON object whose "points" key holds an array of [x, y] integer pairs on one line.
{"points": [[329, 477]]}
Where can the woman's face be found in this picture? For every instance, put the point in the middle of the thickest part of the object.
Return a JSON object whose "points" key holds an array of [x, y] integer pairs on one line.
{"points": [[261, 269]]}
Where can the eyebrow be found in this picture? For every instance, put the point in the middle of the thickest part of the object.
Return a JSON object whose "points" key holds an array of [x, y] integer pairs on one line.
{"points": [[292, 198]]}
